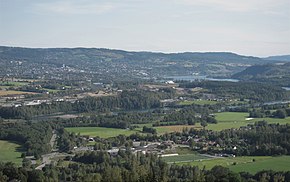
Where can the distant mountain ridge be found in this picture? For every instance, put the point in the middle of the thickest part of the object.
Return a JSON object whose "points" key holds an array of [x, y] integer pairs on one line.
{"points": [[279, 58], [119, 62], [208, 56]]}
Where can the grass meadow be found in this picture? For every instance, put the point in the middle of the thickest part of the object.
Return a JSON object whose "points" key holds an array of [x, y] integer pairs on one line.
{"points": [[10, 152], [184, 158], [245, 163], [100, 131], [227, 120]]}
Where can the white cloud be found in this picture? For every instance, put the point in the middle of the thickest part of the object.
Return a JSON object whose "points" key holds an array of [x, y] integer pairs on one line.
{"points": [[76, 7]]}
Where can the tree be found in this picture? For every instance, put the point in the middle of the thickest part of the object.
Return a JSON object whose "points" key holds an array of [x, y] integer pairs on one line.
{"points": [[3, 177], [203, 124], [211, 120], [288, 111], [280, 113], [36, 175], [26, 163]]}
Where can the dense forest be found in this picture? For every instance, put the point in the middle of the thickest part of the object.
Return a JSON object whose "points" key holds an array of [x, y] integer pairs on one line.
{"points": [[127, 100], [277, 74], [35, 137], [259, 92], [190, 115]]}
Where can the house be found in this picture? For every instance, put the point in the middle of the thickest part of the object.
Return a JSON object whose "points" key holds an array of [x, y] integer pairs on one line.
{"points": [[113, 151], [169, 82]]}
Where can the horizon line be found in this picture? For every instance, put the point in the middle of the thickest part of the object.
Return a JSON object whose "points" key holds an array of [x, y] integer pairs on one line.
{"points": [[140, 51]]}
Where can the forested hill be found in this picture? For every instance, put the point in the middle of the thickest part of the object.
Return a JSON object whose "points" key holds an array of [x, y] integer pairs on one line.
{"points": [[214, 64], [267, 72], [66, 55], [279, 58]]}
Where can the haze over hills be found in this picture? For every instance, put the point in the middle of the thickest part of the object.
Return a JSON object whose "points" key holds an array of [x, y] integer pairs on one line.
{"points": [[276, 73], [279, 58], [93, 54], [125, 63]]}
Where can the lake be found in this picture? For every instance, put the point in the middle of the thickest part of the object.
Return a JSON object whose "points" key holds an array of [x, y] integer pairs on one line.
{"points": [[286, 88], [195, 77]]}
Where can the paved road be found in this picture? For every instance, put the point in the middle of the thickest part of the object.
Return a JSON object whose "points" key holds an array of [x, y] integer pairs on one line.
{"points": [[48, 158]]}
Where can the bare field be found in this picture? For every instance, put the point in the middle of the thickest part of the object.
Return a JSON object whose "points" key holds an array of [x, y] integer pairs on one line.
{"points": [[13, 92]]}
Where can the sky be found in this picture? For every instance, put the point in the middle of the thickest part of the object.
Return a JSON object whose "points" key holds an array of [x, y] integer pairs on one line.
{"points": [[248, 27]]}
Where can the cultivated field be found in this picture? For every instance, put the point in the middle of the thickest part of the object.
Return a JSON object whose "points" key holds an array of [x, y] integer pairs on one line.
{"points": [[178, 128], [101, 131], [199, 102], [227, 120], [232, 116], [13, 92], [184, 158], [245, 163], [10, 152], [14, 83]]}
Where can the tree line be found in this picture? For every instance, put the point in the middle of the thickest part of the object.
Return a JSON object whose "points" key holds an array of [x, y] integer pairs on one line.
{"points": [[100, 167], [257, 92], [34, 137], [259, 139], [127, 100]]}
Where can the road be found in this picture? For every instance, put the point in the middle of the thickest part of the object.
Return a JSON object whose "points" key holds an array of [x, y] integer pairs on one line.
{"points": [[46, 158], [53, 141]]}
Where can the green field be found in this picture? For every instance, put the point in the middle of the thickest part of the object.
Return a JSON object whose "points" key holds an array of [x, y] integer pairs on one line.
{"points": [[14, 83], [10, 152], [246, 163], [174, 128], [184, 158], [231, 116], [199, 102], [227, 120], [101, 131]]}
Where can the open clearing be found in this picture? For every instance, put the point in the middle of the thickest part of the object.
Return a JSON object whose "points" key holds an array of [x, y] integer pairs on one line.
{"points": [[184, 158], [166, 129], [227, 120], [101, 131], [174, 128], [245, 163], [13, 92], [14, 83], [231, 116], [199, 102], [10, 152]]}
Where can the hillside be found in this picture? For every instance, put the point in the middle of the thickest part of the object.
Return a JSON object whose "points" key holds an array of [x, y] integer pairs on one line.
{"points": [[266, 73], [106, 63], [279, 58]]}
